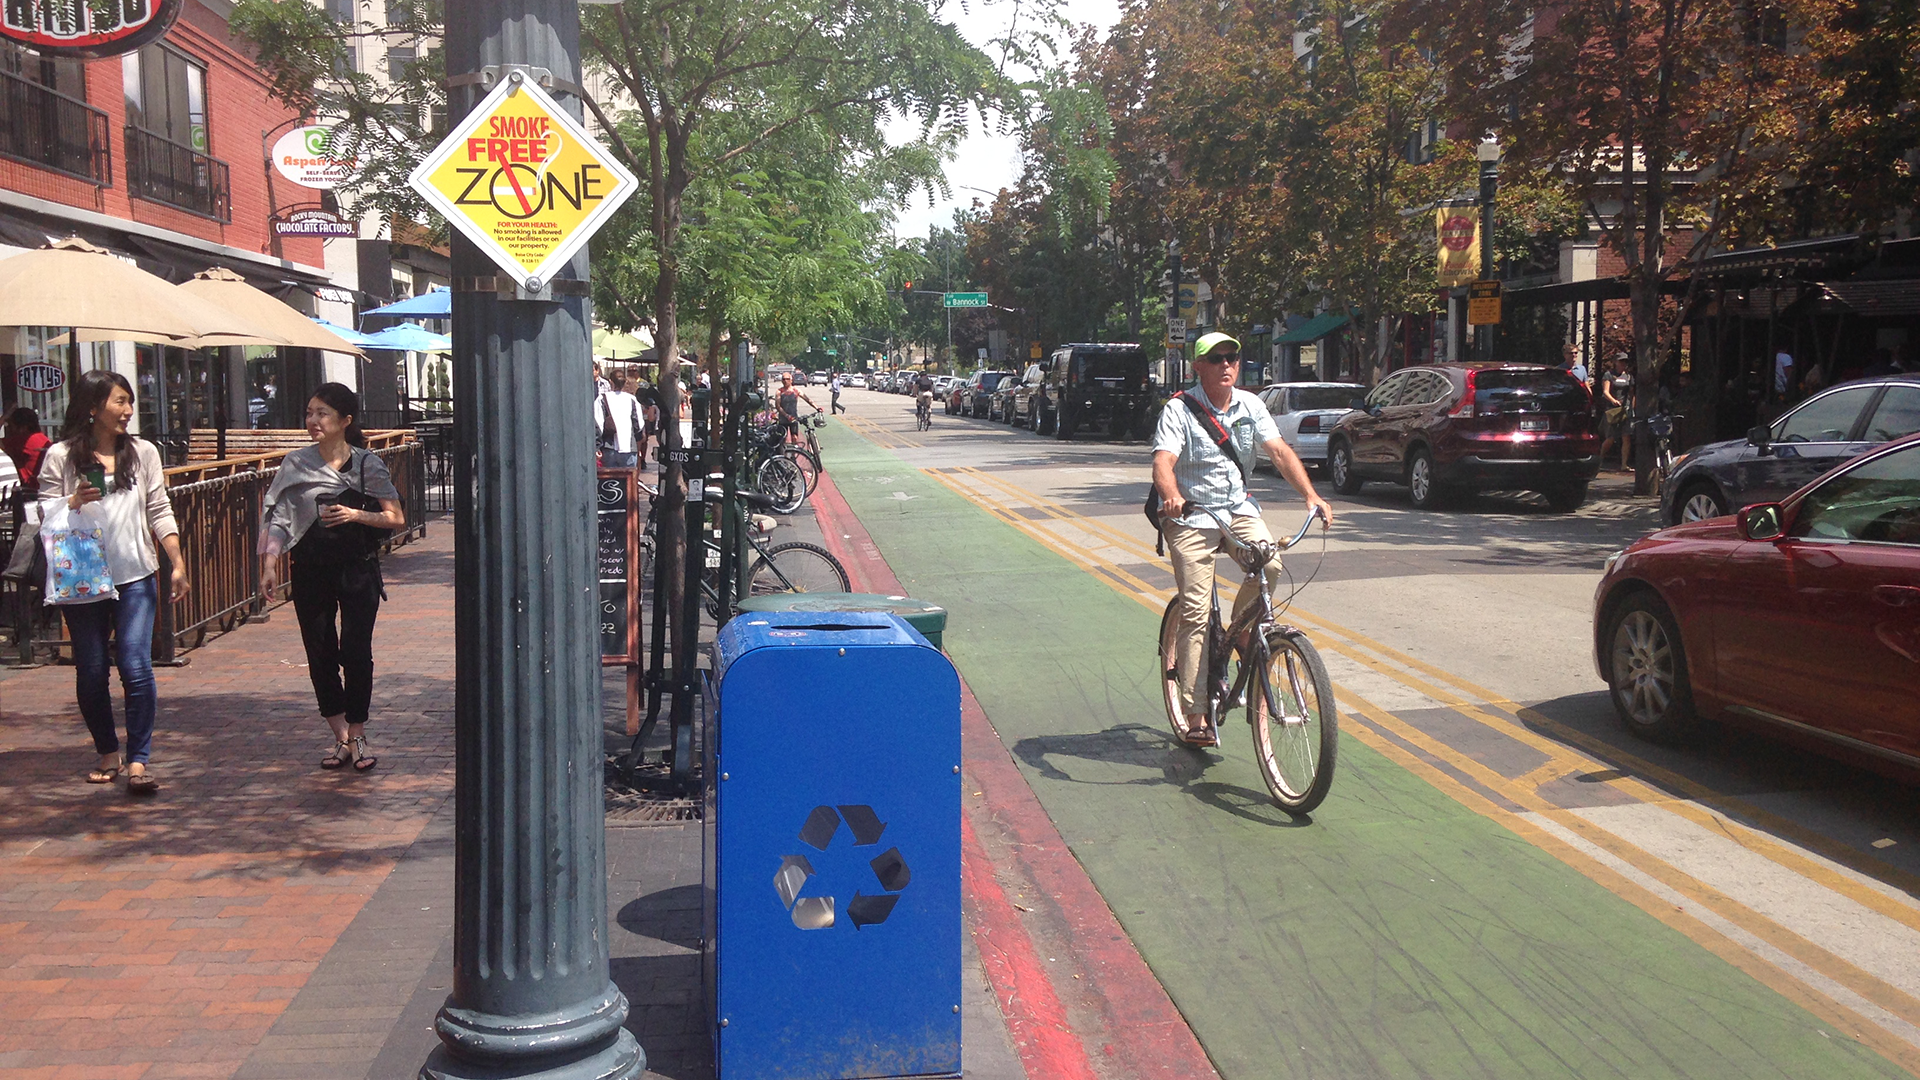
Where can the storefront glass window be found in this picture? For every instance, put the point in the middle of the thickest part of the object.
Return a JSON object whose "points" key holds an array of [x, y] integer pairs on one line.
{"points": [[20, 346]]}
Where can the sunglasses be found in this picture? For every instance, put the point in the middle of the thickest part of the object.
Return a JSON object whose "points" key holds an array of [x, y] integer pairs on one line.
{"points": [[1218, 358]]}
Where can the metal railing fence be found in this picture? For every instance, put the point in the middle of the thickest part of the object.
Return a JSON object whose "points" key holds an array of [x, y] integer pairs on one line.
{"points": [[218, 507], [169, 172], [48, 128]]}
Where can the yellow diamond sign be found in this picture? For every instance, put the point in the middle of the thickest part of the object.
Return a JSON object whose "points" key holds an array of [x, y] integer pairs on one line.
{"points": [[522, 179]]}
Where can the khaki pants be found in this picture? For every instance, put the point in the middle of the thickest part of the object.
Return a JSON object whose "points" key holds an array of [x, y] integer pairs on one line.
{"points": [[1193, 553]]}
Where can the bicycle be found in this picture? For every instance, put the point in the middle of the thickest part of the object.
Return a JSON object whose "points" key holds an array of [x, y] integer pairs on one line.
{"points": [[923, 413], [795, 566], [1288, 682], [1660, 428]]}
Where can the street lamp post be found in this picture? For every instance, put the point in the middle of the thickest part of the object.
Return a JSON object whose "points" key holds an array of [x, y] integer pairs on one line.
{"points": [[1489, 154], [532, 995], [1177, 367]]}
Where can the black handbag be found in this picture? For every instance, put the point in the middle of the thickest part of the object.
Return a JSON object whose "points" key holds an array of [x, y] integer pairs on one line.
{"points": [[350, 543]]}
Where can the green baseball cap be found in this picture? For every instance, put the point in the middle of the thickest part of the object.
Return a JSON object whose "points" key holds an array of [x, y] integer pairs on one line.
{"points": [[1210, 342]]}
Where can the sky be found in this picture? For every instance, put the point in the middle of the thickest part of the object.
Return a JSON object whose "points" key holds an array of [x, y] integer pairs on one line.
{"points": [[987, 161]]}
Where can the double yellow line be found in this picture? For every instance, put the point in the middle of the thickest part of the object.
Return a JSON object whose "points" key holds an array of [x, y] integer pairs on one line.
{"points": [[1629, 871]]}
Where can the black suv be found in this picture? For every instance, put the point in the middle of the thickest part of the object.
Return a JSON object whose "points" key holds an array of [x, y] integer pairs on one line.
{"points": [[1086, 386]]}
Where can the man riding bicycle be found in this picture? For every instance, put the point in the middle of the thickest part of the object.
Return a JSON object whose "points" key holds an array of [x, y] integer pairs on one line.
{"points": [[1194, 475], [923, 395]]}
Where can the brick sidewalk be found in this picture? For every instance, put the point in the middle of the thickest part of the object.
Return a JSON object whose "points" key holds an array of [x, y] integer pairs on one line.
{"points": [[162, 938]]}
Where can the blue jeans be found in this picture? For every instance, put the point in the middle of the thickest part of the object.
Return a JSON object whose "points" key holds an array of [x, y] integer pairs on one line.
{"points": [[129, 620]]}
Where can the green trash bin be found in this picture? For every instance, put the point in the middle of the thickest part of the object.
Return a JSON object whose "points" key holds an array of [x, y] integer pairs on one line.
{"points": [[929, 619]]}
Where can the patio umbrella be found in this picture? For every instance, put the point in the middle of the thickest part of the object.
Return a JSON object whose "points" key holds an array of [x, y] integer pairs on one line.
{"points": [[229, 291], [347, 334], [409, 337], [613, 346], [71, 283], [437, 304]]}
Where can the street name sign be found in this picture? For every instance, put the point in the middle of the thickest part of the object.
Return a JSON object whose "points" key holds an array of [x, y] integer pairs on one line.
{"points": [[966, 299], [1483, 303], [522, 179]]}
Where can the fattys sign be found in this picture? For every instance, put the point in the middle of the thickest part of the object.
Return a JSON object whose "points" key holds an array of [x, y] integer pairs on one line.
{"points": [[523, 180], [86, 28], [304, 156]]}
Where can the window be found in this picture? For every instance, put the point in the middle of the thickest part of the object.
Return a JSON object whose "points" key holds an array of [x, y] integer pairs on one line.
{"points": [[1326, 397], [167, 95], [1388, 393], [1824, 419], [45, 119], [1878, 502], [1897, 414]]}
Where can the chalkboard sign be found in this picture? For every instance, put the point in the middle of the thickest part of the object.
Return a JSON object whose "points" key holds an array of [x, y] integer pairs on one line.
{"points": [[615, 553]]}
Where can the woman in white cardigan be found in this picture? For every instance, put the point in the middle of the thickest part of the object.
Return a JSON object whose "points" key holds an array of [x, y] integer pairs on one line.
{"points": [[131, 491]]}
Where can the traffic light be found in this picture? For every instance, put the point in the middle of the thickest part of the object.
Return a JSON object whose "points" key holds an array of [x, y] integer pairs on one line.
{"points": [[906, 290]]}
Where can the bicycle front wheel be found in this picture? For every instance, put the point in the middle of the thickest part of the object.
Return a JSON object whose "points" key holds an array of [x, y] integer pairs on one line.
{"points": [[797, 567], [781, 480], [1295, 725], [808, 465]]}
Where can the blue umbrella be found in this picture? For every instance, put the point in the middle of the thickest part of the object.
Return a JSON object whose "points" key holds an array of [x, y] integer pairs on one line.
{"points": [[409, 337], [437, 304], [352, 337]]}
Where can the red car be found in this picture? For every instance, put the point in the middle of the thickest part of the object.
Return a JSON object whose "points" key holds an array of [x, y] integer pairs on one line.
{"points": [[1800, 616]]}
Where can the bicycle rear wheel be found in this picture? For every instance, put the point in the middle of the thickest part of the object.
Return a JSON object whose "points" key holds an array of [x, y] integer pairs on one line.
{"points": [[797, 567], [1169, 676], [780, 479], [808, 465], [1296, 727]]}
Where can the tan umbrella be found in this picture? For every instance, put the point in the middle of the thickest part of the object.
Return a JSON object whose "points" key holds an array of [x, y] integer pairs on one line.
{"points": [[230, 292], [74, 284]]}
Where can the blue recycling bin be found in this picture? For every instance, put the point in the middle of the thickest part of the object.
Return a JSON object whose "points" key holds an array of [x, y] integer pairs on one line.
{"points": [[832, 849]]}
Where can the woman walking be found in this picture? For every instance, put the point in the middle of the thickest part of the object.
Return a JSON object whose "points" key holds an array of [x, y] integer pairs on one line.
{"points": [[320, 510], [96, 461]]}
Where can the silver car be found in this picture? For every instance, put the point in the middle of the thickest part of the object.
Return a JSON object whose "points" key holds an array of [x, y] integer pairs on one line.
{"points": [[1305, 412]]}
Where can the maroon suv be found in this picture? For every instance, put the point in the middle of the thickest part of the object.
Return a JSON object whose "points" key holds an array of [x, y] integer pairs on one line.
{"points": [[1445, 428]]}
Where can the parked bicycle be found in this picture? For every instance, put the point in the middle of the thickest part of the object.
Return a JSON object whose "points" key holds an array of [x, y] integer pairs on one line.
{"points": [[795, 566], [1281, 681], [1660, 428]]}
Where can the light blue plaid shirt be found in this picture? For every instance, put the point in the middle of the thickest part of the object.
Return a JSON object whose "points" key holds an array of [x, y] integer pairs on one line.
{"points": [[1203, 474]]}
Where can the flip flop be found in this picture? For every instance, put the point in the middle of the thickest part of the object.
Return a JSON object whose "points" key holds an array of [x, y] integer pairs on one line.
{"points": [[142, 783], [103, 776]]}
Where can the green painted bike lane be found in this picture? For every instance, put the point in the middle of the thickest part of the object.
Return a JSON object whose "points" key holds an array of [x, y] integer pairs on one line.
{"points": [[1398, 934]]}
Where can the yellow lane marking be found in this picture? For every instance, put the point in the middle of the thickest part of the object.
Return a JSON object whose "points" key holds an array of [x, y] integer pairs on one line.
{"points": [[1861, 982], [1845, 1020], [1562, 761]]}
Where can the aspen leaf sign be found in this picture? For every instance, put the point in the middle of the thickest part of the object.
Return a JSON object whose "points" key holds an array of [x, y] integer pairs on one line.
{"points": [[523, 180]]}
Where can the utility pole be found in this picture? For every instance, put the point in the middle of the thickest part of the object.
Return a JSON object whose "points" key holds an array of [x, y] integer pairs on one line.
{"points": [[531, 993]]}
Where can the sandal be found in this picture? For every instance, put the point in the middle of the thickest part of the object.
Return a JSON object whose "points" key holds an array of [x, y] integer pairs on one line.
{"points": [[141, 783], [363, 758], [101, 775], [1204, 735], [337, 756]]}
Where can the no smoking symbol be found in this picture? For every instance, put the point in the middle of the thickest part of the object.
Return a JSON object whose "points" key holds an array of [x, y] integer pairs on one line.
{"points": [[865, 909]]}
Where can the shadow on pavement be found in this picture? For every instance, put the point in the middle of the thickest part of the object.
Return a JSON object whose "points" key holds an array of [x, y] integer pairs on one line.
{"points": [[1151, 750]]}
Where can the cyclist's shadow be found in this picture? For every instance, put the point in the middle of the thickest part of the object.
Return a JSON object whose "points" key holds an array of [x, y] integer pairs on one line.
{"points": [[1153, 750]]}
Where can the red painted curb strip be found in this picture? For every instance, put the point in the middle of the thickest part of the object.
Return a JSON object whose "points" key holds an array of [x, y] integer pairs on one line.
{"points": [[1143, 1034]]}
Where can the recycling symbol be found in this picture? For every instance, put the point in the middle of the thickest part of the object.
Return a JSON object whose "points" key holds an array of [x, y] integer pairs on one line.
{"points": [[865, 909]]}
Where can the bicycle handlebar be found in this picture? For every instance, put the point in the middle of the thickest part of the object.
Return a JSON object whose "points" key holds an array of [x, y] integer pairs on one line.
{"points": [[1226, 530]]}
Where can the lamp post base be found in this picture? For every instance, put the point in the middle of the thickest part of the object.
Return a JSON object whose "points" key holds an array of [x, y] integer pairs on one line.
{"points": [[622, 1059]]}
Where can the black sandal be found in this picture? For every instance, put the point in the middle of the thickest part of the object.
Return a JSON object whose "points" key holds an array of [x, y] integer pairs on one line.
{"points": [[363, 759], [104, 775], [141, 783], [337, 757]]}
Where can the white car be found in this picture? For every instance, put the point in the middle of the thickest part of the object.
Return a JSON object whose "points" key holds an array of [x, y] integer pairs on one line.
{"points": [[855, 382], [819, 378], [1305, 412]]}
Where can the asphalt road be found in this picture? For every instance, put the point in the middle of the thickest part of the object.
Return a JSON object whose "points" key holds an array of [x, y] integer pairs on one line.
{"points": [[1503, 883]]}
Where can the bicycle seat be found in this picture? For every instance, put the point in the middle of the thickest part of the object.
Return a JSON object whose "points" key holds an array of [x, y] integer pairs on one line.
{"points": [[755, 498], [763, 524]]}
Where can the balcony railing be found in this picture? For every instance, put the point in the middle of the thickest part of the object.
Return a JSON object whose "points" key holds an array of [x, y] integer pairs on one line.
{"points": [[50, 129], [168, 172]]}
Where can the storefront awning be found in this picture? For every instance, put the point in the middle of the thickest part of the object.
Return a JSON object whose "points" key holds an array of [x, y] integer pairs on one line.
{"points": [[1893, 297], [1312, 330]]}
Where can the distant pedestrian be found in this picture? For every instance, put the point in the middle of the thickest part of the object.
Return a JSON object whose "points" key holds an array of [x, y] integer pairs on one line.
{"points": [[616, 415], [1575, 366], [600, 384], [788, 398], [328, 509], [648, 395], [1616, 402], [834, 386], [22, 440], [1782, 373], [96, 461]]}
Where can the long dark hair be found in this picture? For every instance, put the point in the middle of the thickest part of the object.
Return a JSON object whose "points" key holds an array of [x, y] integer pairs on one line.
{"points": [[341, 399], [90, 394]]}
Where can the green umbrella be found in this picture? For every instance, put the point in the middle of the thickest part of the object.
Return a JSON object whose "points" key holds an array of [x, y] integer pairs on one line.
{"points": [[613, 346]]}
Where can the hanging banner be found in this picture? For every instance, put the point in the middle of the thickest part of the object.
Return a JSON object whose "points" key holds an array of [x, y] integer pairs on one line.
{"points": [[86, 30], [1458, 232], [302, 156]]}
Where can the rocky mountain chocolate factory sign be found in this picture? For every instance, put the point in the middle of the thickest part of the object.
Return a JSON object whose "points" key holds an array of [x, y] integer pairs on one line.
{"points": [[86, 28], [312, 221]]}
